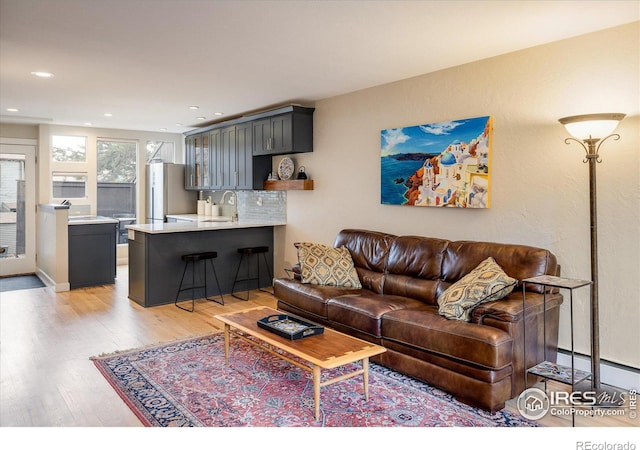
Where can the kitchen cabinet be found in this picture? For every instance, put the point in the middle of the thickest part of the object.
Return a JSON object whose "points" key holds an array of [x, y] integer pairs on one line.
{"points": [[155, 263], [236, 154], [215, 153], [227, 159], [283, 134], [197, 162], [238, 168], [92, 254]]}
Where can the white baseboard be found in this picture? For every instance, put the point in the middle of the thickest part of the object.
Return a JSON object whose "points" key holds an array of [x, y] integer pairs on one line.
{"points": [[50, 283], [613, 375]]}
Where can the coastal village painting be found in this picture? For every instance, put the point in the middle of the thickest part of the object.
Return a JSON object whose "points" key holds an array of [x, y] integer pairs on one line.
{"points": [[445, 164]]}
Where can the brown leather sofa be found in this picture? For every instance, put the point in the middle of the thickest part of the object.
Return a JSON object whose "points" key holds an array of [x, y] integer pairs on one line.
{"points": [[481, 362]]}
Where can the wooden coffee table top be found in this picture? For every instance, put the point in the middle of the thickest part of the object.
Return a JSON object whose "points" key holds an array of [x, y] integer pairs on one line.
{"points": [[328, 350]]}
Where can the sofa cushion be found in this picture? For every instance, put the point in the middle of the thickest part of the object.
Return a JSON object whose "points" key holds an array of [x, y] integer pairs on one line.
{"points": [[486, 283], [518, 261], [308, 297], [326, 266], [425, 329], [413, 269], [363, 312], [369, 250]]}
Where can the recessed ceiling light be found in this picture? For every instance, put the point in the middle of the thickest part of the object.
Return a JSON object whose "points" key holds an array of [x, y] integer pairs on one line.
{"points": [[13, 109], [42, 74], [200, 118], [108, 114], [178, 124], [194, 107], [218, 114], [88, 124], [162, 129]]}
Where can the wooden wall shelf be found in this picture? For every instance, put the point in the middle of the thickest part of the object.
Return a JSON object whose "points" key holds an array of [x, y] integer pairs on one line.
{"points": [[288, 185]]}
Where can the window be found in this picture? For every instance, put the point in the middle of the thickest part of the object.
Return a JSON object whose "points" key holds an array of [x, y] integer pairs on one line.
{"points": [[12, 204], [117, 179], [160, 150], [69, 148], [69, 185]]}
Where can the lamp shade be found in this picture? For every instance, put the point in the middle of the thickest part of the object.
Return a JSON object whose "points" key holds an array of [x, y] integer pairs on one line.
{"points": [[591, 126]]}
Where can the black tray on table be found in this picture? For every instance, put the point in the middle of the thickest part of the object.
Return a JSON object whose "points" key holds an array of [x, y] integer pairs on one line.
{"points": [[290, 327]]}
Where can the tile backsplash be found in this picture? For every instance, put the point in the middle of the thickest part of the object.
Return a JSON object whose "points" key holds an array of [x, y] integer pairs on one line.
{"points": [[253, 205], [257, 205]]}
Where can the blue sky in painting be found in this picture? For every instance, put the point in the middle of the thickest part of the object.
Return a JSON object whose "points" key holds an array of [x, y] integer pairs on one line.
{"points": [[432, 138]]}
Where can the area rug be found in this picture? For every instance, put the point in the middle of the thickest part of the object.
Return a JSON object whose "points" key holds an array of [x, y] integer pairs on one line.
{"points": [[187, 384], [20, 282]]}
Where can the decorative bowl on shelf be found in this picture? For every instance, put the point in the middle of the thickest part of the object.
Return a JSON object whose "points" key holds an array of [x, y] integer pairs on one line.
{"points": [[285, 168]]}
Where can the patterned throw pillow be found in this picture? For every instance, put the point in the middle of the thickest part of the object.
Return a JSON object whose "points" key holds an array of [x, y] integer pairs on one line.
{"points": [[486, 283], [327, 266]]}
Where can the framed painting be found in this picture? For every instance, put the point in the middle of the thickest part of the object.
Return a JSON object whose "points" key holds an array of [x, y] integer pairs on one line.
{"points": [[445, 164]]}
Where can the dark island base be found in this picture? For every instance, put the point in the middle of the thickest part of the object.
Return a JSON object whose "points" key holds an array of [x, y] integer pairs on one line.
{"points": [[156, 266]]}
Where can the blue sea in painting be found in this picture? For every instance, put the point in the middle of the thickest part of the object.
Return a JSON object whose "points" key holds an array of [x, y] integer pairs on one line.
{"points": [[392, 193]]}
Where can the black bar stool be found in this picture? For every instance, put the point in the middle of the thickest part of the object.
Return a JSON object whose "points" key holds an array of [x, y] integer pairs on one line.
{"points": [[193, 259], [248, 252]]}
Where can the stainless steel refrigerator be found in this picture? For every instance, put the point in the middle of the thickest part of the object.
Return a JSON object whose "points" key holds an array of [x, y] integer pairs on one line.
{"points": [[166, 193]]}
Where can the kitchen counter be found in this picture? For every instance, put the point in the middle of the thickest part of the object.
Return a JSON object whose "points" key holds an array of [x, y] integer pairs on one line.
{"points": [[90, 220], [197, 218], [156, 250], [201, 225]]}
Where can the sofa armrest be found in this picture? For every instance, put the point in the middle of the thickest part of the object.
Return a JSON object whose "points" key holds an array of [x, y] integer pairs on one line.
{"points": [[510, 308], [294, 272]]}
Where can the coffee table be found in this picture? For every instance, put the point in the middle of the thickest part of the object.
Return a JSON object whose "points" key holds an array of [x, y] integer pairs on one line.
{"points": [[325, 351]]}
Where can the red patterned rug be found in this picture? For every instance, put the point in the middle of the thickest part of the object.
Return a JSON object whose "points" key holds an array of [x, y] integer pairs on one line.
{"points": [[186, 383]]}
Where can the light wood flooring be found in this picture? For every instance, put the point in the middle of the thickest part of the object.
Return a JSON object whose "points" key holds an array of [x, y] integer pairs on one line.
{"points": [[47, 338]]}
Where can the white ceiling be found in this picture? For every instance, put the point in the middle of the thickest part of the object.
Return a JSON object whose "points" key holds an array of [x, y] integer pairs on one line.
{"points": [[147, 61]]}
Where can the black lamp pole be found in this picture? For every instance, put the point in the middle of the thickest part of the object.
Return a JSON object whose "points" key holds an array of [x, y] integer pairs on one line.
{"points": [[591, 146]]}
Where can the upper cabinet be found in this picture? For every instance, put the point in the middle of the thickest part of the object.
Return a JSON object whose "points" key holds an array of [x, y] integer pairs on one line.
{"points": [[236, 154], [197, 166], [284, 134]]}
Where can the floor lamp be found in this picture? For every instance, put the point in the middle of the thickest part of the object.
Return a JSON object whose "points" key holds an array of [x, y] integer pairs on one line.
{"points": [[590, 131]]}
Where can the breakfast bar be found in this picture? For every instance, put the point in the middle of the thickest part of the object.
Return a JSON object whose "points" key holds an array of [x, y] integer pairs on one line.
{"points": [[155, 255]]}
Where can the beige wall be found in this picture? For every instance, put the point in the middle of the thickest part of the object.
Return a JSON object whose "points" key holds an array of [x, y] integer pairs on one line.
{"points": [[18, 131], [539, 184]]}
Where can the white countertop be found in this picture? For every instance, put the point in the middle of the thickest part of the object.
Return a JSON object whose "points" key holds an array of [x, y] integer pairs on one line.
{"points": [[90, 220], [182, 227], [199, 218]]}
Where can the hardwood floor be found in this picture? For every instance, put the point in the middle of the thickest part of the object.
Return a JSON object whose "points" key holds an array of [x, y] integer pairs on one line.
{"points": [[47, 379]]}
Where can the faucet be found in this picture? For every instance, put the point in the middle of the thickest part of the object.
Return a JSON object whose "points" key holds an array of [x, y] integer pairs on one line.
{"points": [[232, 202]]}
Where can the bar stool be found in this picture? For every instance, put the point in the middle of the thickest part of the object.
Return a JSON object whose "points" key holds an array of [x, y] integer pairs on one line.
{"points": [[193, 259], [248, 252]]}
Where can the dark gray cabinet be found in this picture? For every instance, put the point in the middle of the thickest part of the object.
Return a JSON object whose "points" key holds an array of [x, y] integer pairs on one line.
{"points": [[227, 159], [215, 153], [92, 254], [236, 154], [284, 134], [230, 163], [156, 266], [197, 162]]}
